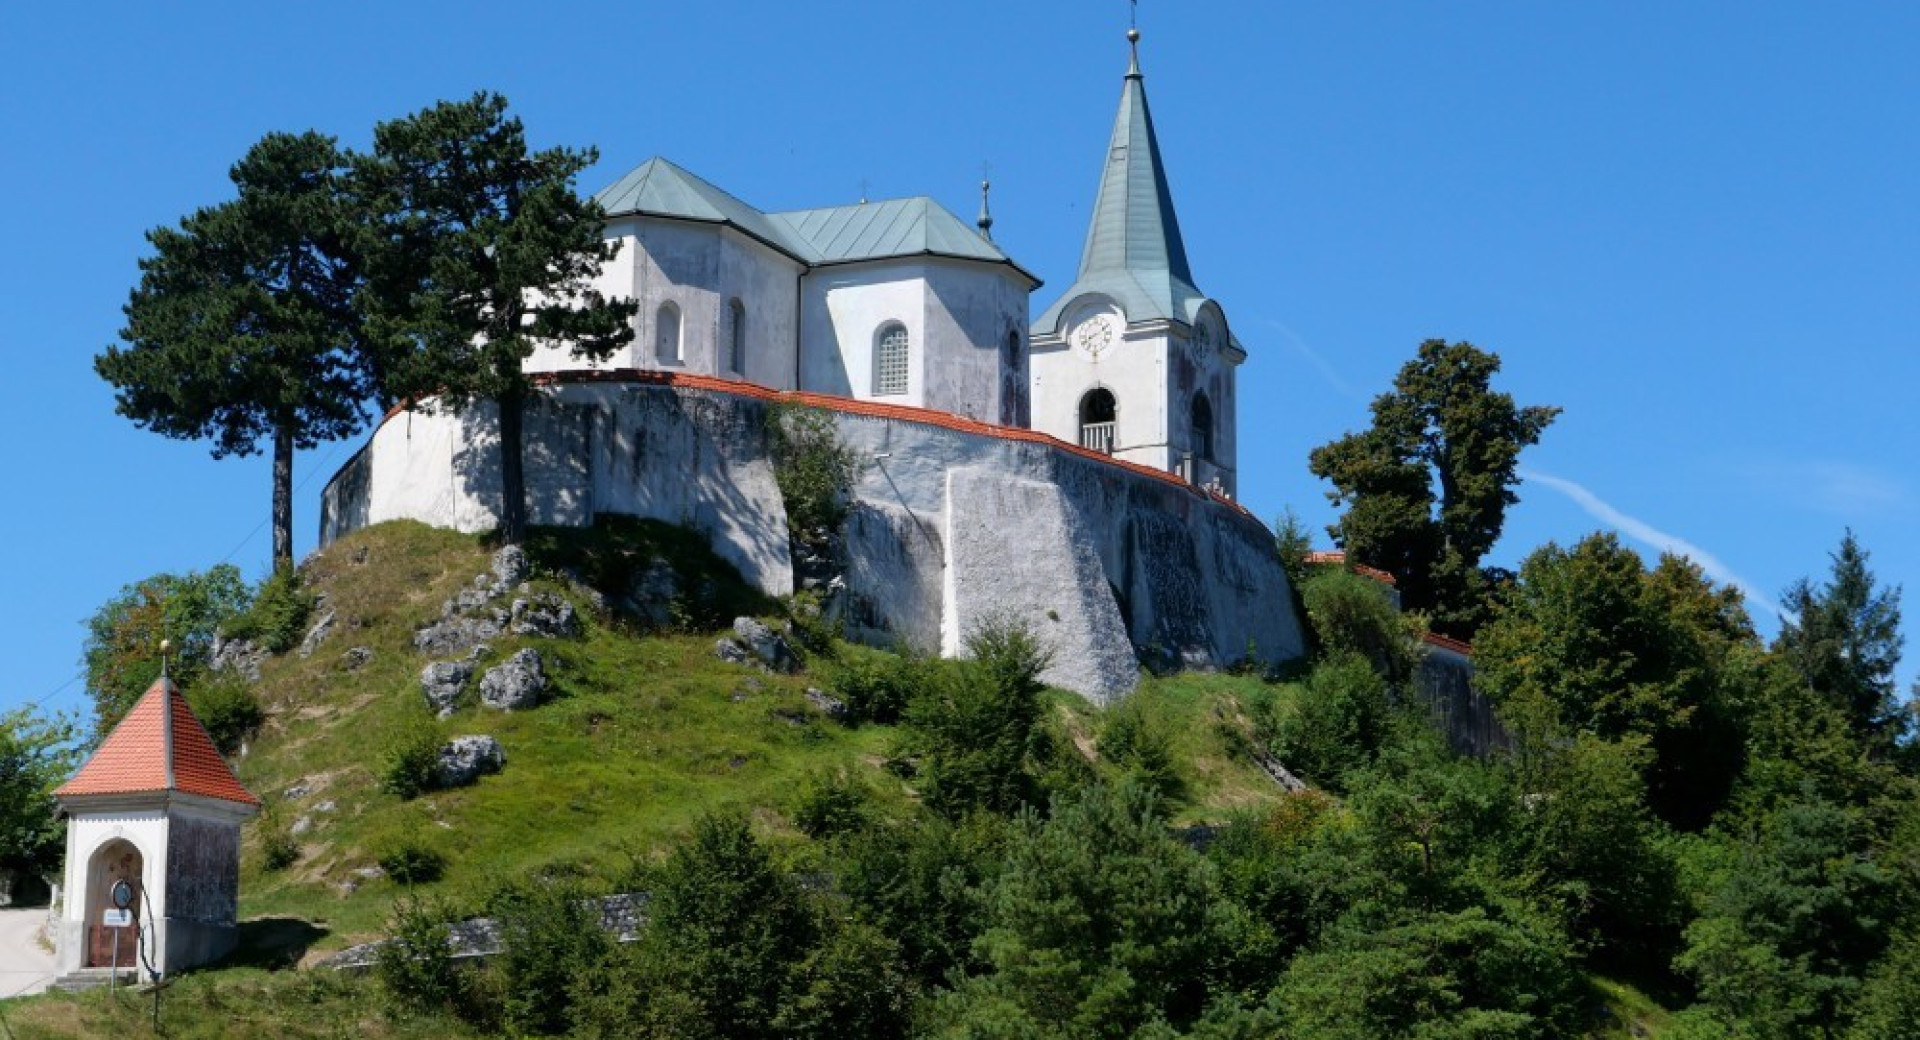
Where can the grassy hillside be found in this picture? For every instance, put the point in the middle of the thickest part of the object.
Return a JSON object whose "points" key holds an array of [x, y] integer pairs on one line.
{"points": [[641, 732]]}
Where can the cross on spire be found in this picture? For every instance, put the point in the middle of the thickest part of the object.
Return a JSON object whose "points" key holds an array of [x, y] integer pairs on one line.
{"points": [[985, 220]]}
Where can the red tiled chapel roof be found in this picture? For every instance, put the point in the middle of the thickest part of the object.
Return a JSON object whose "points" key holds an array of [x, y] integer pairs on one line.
{"points": [[159, 746]]}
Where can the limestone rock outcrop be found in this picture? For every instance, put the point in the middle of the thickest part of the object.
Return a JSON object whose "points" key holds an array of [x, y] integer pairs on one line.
{"points": [[515, 684], [754, 643], [464, 760], [442, 682]]}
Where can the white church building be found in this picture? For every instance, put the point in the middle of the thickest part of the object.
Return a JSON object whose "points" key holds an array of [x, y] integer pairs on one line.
{"points": [[1077, 469], [902, 302]]}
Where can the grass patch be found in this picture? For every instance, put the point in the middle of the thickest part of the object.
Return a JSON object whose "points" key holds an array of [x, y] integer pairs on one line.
{"points": [[1625, 1012], [1209, 720], [234, 1004]]}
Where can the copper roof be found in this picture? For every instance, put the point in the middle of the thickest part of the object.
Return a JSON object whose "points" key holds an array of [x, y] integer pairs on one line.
{"points": [[159, 746]]}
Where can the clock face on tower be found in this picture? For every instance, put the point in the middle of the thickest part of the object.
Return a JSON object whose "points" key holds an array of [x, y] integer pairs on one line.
{"points": [[1094, 335], [1204, 341]]}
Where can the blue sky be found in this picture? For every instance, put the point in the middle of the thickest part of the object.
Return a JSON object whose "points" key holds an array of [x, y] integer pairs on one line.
{"points": [[1693, 226]]}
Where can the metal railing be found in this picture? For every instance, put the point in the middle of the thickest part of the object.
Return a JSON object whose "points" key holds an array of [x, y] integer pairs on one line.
{"points": [[1097, 436]]}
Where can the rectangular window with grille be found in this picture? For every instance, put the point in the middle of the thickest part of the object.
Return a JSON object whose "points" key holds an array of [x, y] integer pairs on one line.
{"points": [[890, 362]]}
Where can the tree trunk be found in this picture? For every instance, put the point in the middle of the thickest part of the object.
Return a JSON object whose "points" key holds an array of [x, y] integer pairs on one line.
{"points": [[513, 481], [283, 498]]}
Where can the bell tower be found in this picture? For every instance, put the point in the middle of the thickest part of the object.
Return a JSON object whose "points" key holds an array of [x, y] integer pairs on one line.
{"points": [[1133, 360]]}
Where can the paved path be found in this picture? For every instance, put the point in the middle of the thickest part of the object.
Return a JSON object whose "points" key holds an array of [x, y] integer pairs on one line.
{"points": [[25, 966]]}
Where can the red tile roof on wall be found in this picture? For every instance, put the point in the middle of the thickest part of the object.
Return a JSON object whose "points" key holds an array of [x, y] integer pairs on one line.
{"points": [[854, 406], [159, 746], [1445, 643], [1335, 556]]}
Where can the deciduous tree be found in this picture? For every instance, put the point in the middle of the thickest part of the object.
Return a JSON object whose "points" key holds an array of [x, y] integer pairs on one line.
{"points": [[1426, 488], [479, 251], [1591, 641], [122, 649], [242, 329], [36, 753]]}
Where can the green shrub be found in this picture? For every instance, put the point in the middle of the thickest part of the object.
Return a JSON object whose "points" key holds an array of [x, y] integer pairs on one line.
{"points": [[416, 969], [975, 725], [1338, 722], [874, 686], [551, 942], [814, 470], [278, 849], [412, 863], [228, 708], [832, 804], [1355, 615], [278, 616], [1137, 737], [412, 763]]}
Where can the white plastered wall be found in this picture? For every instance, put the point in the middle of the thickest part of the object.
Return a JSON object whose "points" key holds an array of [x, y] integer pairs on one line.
{"points": [[699, 268], [146, 831]]}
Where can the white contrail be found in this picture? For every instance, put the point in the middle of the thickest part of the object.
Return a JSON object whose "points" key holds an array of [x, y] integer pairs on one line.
{"points": [[1322, 365], [1647, 534]]}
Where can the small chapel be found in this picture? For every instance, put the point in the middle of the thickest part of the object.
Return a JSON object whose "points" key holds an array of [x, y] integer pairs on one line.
{"points": [[152, 879], [899, 301]]}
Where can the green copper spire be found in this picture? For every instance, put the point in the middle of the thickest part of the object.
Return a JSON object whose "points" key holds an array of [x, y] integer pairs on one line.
{"points": [[1134, 227], [1134, 253]]}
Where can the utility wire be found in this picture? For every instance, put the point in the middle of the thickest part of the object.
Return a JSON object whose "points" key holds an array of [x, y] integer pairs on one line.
{"points": [[312, 471]]}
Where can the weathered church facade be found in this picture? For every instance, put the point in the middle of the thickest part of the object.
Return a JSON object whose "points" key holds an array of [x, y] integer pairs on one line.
{"points": [[1077, 469]]}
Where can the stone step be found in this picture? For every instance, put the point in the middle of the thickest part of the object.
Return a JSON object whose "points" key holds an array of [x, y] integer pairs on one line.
{"points": [[94, 978]]}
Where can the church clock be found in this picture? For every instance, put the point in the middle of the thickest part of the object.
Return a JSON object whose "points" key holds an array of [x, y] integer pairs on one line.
{"points": [[1094, 335]]}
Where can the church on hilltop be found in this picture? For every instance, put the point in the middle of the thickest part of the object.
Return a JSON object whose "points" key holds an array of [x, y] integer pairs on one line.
{"points": [[1077, 469], [900, 302]]}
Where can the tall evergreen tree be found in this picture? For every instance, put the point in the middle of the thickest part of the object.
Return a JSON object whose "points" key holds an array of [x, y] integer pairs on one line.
{"points": [[1443, 424], [242, 329], [1843, 638], [479, 251]]}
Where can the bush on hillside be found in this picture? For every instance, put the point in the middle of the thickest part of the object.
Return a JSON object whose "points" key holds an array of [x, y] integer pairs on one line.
{"points": [[552, 942], [416, 969], [277, 618], [1137, 737], [1355, 615], [411, 766], [974, 728], [832, 804], [874, 686], [1338, 721], [228, 708], [278, 849], [412, 863]]}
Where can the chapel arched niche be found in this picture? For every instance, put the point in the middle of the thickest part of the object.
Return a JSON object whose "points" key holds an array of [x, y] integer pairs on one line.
{"points": [[114, 861]]}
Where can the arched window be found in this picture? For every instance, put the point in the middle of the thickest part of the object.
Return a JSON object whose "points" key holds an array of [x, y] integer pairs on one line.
{"points": [[890, 356], [1013, 349], [1098, 410], [737, 338], [666, 334], [1201, 421]]}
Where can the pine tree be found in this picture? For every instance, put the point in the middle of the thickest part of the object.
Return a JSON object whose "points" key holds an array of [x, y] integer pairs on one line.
{"points": [[479, 251], [1844, 640], [242, 329]]}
